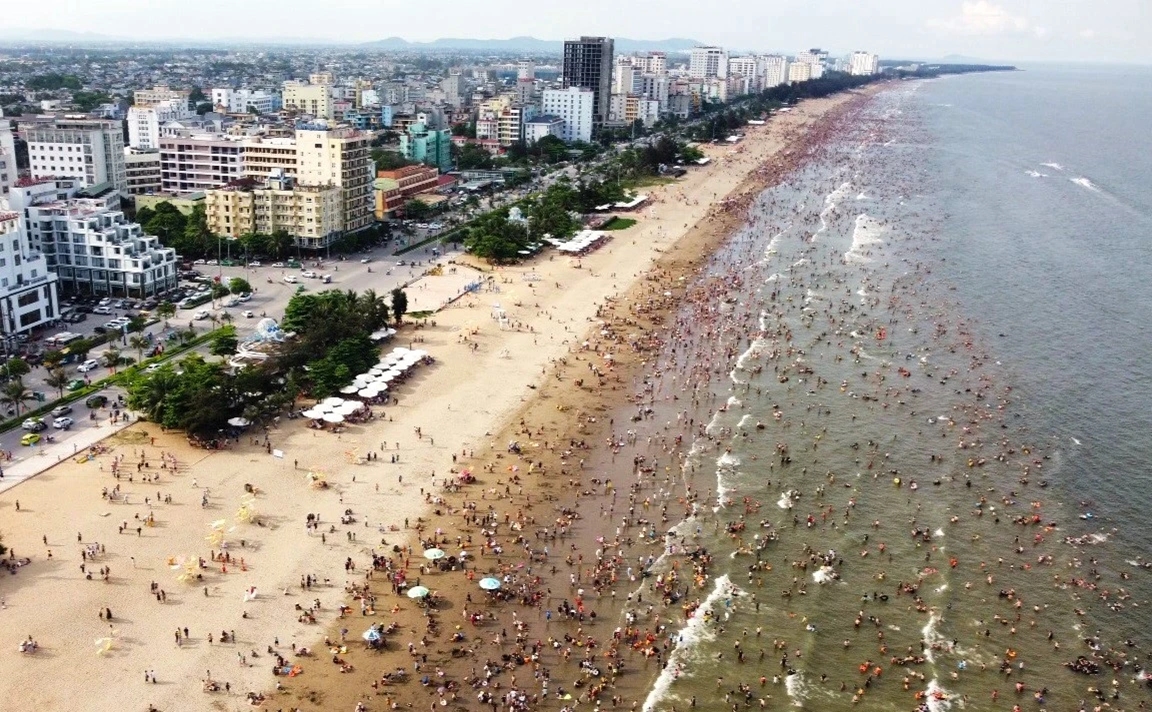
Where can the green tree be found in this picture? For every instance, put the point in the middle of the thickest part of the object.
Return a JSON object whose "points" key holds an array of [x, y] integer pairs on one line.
{"points": [[139, 343], [399, 304], [218, 290], [169, 225], [52, 359], [16, 368], [15, 394], [88, 100], [280, 243], [238, 285], [417, 209], [166, 310], [472, 156], [111, 358], [136, 324], [495, 238], [224, 342], [198, 239], [57, 378], [389, 160]]}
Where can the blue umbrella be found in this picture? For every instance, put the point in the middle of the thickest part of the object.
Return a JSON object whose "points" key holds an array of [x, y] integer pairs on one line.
{"points": [[372, 635], [418, 592], [489, 584]]}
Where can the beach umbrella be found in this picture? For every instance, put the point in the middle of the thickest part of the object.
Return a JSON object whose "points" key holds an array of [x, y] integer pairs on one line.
{"points": [[368, 393], [333, 418], [434, 554], [332, 401], [371, 635], [349, 390], [313, 414], [420, 353], [418, 592], [348, 407], [239, 422], [489, 584]]}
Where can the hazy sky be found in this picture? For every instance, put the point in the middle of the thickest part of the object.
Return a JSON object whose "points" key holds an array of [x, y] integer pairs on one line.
{"points": [[1020, 30]]}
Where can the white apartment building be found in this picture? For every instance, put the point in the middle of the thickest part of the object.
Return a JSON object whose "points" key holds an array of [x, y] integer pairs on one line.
{"points": [[27, 287], [538, 127], [8, 171], [707, 62], [799, 72], [312, 99], [525, 69], [815, 58], [863, 63], [654, 87], [623, 76], [653, 63], [242, 101], [89, 150], [91, 246], [774, 70], [745, 67], [160, 93], [142, 170], [576, 106], [338, 157], [144, 122]]}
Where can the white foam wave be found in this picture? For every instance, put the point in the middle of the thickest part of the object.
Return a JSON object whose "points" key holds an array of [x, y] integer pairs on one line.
{"points": [[797, 688], [1085, 183], [824, 574], [866, 233], [687, 643], [930, 635], [1036, 174], [937, 698], [1057, 166]]}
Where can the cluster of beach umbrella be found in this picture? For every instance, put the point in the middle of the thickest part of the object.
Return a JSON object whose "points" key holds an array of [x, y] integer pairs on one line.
{"points": [[392, 366], [333, 410]]}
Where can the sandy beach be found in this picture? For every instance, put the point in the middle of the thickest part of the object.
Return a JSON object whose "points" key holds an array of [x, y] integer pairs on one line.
{"points": [[532, 380]]}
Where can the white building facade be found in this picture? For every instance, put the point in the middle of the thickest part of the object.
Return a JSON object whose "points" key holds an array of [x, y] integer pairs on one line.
{"points": [[242, 101], [707, 63], [7, 156], [144, 122], [774, 70], [89, 150], [575, 106], [27, 287], [863, 64]]}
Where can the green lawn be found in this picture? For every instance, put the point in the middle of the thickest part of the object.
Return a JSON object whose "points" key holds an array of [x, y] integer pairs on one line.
{"points": [[618, 224]]}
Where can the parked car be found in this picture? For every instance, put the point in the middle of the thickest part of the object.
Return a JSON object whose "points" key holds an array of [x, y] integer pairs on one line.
{"points": [[102, 310], [96, 401], [278, 265], [30, 439], [88, 365], [105, 302], [62, 423], [254, 264], [244, 297], [61, 410], [248, 314], [76, 384]]}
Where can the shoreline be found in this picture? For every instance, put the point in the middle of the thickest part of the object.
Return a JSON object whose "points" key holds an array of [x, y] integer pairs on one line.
{"points": [[275, 556]]}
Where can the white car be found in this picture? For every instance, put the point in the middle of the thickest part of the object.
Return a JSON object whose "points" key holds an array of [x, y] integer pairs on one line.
{"points": [[254, 264], [153, 368], [105, 302], [308, 274], [278, 265], [201, 315], [248, 315], [62, 423], [290, 278], [102, 310], [89, 365], [244, 297]]}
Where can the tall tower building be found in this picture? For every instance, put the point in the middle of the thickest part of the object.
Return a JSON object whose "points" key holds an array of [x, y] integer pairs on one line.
{"points": [[588, 65]]}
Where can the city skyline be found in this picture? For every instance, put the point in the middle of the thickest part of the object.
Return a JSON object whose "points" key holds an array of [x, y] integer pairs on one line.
{"points": [[1009, 30]]}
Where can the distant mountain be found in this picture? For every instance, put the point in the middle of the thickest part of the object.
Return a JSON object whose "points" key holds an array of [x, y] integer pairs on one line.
{"points": [[55, 36], [524, 44]]}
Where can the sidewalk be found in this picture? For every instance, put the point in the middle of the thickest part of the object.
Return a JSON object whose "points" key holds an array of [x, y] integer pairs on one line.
{"points": [[31, 461]]}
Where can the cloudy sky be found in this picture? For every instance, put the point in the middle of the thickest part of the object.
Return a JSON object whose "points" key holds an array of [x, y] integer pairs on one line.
{"points": [[1018, 30]]}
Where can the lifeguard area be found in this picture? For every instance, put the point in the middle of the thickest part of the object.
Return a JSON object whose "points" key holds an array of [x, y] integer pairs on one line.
{"points": [[441, 285]]}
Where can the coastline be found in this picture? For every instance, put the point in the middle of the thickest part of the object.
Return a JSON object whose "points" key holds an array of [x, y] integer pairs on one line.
{"points": [[455, 406]]}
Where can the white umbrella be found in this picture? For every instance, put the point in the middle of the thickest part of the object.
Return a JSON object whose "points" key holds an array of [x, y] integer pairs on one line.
{"points": [[348, 390], [239, 422], [368, 393], [333, 418], [348, 408], [332, 401], [314, 414], [421, 353], [434, 554]]}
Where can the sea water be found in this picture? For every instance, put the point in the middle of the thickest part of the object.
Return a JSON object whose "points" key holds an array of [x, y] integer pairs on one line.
{"points": [[921, 375]]}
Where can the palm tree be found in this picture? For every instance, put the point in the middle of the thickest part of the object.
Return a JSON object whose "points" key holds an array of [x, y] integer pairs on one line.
{"points": [[166, 310], [112, 358], [226, 318], [58, 379], [139, 343], [15, 394]]}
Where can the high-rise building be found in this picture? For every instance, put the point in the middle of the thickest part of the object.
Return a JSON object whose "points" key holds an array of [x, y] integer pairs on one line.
{"points": [[27, 287], [745, 69], [588, 65], [655, 63], [144, 122], [312, 99], [774, 69], [800, 71], [525, 69], [576, 106], [142, 170], [314, 215], [864, 63], [243, 101], [623, 76], [429, 146], [338, 157], [89, 150], [708, 63], [192, 164]]}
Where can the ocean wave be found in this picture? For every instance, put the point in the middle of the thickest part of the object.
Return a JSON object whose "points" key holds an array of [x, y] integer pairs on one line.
{"points": [[866, 233], [1036, 174], [1085, 183], [1056, 166], [687, 643]]}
